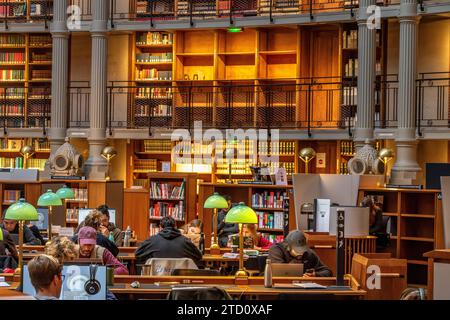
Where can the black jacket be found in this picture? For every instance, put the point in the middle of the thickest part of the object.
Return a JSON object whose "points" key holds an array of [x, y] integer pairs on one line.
{"points": [[225, 229], [37, 234], [28, 237], [279, 253], [7, 243], [168, 243], [104, 242]]}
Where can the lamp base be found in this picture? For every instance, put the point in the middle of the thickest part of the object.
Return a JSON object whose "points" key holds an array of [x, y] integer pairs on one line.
{"points": [[241, 273]]}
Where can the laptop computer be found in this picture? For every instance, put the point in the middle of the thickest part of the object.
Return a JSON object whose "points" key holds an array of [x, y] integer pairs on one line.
{"points": [[287, 269]]}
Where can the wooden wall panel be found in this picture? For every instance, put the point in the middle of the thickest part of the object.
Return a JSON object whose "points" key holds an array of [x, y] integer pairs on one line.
{"points": [[135, 215], [327, 147]]}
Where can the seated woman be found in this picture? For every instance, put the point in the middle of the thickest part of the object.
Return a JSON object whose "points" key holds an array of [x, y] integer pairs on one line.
{"points": [[259, 242], [193, 231]]}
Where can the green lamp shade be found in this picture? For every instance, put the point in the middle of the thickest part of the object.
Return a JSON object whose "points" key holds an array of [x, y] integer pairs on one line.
{"points": [[241, 214], [215, 201], [65, 193], [21, 210], [49, 199]]}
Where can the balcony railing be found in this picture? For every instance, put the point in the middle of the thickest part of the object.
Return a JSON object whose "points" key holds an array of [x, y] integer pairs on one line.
{"points": [[25, 107], [306, 104]]}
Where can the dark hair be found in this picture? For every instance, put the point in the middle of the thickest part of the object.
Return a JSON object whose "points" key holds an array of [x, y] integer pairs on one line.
{"points": [[196, 223], [104, 209], [42, 270], [167, 222]]}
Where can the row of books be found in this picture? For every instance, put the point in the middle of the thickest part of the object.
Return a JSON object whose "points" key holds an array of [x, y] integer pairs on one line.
{"points": [[10, 144], [40, 40], [12, 40], [351, 68], [12, 57], [165, 209], [41, 74], [277, 148], [38, 122], [269, 199], [12, 75], [37, 9], [154, 38], [273, 220], [161, 110], [343, 168], [186, 147], [36, 164], [273, 166], [150, 165], [11, 196], [155, 93], [154, 229], [14, 109], [41, 57], [71, 214], [349, 96], [15, 9], [14, 163], [153, 74], [347, 148], [273, 238], [12, 92], [157, 145], [80, 194], [14, 123], [41, 144], [350, 39], [166, 191], [154, 57]]}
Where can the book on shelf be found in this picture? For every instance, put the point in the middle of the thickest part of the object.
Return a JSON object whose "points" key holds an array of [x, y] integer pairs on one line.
{"points": [[13, 93], [139, 183], [347, 148], [270, 220], [12, 40], [40, 40], [351, 68], [154, 38], [12, 57], [349, 96], [273, 238], [153, 229], [36, 164], [146, 165], [165, 209], [153, 74], [71, 215], [80, 194], [13, 9], [41, 145], [155, 93], [154, 57], [157, 145], [6, 75], [350, 39], [276, 148], [41, 74], [160, 190], [269, 199], [41, 57], [11, 196], [161, 110]]}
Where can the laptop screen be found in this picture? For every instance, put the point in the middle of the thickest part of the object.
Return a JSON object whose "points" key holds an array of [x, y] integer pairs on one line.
{"points": [[75, 280]]}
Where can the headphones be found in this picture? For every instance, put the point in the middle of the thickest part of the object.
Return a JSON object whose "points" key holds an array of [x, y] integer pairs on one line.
{"points": [[92, 286]]}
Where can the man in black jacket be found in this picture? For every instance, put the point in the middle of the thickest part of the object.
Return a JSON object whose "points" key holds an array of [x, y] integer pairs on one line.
{"points": [[225, 229], [13, 228], [295, 250], [168, 243], [7, 251]]}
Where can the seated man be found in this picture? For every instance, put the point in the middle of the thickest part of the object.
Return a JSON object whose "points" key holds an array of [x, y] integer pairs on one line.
{"points": [[13, 228], [45, 275], [8, 252], [295, 250], [168, 243], [87, 248], [94, 220]]}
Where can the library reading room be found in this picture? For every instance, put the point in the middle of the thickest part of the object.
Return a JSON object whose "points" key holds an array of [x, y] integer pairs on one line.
{"points": [[224, 150]]}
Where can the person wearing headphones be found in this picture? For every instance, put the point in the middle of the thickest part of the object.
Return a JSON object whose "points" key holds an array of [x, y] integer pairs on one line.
{"points": [[46, 277]]}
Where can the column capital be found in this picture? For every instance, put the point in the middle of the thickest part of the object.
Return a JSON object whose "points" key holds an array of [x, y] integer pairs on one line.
{"points": [[60, 35], [363, 15]]}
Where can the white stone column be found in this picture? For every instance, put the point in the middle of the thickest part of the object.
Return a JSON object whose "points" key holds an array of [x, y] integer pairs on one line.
{"points": [[60, 75], [95, 167], [406, 167], [366, 75]]}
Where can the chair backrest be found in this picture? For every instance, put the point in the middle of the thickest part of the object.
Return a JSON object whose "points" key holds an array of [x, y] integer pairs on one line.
{"points": [[165, 266], [198, 293], [195, 272]]}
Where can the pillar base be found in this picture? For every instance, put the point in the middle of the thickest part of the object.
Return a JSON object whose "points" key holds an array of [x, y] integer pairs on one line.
{"points": [[406, 170], [96, 166]]}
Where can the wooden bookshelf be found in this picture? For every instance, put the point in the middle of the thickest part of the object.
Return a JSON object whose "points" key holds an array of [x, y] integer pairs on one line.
{"points": [[30, 10], [11, 191], [26, 67], [243, 193], [89, 194], [416, 226], [10, 156]]}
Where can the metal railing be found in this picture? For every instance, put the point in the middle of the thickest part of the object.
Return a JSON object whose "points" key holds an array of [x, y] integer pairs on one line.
{"points": [[22, 107], [150, 10], [79, 95]]}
